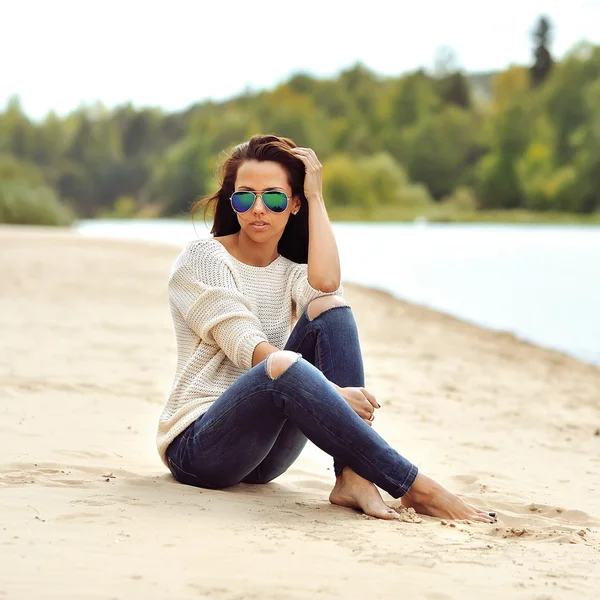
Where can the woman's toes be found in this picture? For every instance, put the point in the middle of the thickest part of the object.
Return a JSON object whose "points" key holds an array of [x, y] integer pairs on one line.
{"points": [[484, 519], [381, 513], [392, 514]]}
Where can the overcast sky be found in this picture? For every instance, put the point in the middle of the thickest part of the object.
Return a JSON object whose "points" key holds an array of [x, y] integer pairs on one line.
{"points": [[58, 54]]}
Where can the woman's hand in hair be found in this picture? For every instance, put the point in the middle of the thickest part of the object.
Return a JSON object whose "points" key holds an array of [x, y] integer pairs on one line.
{"points": [[313, 180], [362, 402]]}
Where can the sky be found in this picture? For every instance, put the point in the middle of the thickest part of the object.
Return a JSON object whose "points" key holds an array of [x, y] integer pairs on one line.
{"points": [[60, 54]]}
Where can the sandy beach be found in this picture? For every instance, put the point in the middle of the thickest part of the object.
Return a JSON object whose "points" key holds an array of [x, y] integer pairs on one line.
{"points": [[87, 510]]}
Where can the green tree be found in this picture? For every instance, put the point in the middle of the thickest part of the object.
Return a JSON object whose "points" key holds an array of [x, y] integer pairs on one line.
{"points": [[441, 147], [414, 99], [543, 63], [498, 184], [564, 99], [181, 178], [25, 198], [454, 89]]}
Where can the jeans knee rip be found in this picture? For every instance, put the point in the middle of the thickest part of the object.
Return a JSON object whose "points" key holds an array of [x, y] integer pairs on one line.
{"points": [[326, 311], [268, 366]]}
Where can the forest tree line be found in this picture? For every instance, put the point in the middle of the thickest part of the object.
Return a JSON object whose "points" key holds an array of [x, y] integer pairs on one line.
{"points": [[408, 143]]}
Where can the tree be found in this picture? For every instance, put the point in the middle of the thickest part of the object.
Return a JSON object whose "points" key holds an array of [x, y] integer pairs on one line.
{"points": [[454, 89], [498, 184], [509, 84], [439, 149], [543, 59], [564, 100], [451, 85], [182, 177], [414, 99]]}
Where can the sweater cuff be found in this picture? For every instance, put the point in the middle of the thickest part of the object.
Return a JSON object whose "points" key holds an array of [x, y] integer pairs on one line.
{"points": [[245, 349], [310, 293]]}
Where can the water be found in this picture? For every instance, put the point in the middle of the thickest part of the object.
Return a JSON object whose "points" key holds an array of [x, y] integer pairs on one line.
{"points": [[541, 283]]}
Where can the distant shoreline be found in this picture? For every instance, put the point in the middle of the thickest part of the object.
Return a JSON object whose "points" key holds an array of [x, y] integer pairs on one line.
{"points": [[436, 214], [173, 231]]}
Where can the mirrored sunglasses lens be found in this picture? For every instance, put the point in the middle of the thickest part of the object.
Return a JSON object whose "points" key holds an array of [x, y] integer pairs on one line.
{"points": [[275, 201], [242, 201]]}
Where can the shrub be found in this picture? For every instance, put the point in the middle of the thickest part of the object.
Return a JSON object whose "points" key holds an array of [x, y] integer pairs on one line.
{"points": [[384, 177], [23, 203], [463, 199], [124, 207], [343, 182]]}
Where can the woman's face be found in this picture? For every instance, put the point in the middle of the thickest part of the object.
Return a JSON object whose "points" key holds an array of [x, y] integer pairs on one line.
{"points": [[259, 223]]}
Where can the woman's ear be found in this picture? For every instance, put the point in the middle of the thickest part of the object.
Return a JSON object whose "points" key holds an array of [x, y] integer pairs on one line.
{"points": [[296, 204]]}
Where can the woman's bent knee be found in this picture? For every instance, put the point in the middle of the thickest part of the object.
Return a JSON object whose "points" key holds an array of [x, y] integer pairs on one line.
{"points": [[323, 303], [279, 362]]}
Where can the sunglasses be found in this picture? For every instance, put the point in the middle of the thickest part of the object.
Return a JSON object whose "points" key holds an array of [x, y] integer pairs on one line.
{"points": [[274, 200]]}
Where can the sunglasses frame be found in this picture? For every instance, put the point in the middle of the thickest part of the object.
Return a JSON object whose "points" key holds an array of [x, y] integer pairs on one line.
{"points": [[256, 195]]}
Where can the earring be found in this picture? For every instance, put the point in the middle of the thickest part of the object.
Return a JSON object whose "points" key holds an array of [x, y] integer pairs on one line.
{"points": [[295, 213]]}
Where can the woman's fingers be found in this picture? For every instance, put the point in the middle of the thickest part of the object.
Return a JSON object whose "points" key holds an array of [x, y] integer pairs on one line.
{"points": [[308, 155], [370, 398], [306, 159], [313, 185], [369, 420], [367, 412], [359, 402]]}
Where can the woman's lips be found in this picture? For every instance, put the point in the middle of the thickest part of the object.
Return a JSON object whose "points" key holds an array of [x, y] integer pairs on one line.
{"points": [[259, 226]]}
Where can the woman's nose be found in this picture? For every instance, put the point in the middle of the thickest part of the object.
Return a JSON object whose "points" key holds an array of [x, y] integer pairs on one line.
{"points": [[258, 204]]}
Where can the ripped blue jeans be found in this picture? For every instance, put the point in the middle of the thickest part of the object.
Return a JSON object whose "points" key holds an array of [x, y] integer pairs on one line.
{"points": [[257, 428]]}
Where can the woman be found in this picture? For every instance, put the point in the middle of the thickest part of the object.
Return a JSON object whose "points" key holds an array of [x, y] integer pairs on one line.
{"points": [[249, 390]]}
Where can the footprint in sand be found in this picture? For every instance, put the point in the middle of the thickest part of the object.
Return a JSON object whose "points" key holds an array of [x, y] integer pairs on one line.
{"points": [[19, 474], [543, 523], [517, 515], [57, 475]]}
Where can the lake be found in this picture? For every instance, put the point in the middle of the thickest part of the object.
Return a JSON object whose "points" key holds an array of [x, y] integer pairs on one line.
{"points": [[540, 282]]}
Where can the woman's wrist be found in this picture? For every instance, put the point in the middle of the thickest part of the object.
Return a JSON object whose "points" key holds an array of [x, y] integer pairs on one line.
{"points": [[316, 199], [262, 351]]}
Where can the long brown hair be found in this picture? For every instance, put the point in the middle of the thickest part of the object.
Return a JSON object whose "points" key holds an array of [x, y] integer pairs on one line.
{"points": [[294, 240]]}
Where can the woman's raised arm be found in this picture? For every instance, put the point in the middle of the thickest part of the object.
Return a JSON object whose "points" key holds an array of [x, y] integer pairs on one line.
{"points": [[324, 271]]}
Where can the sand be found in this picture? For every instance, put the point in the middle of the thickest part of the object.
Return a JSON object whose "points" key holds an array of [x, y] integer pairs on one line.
{"points": [[87, 510]]}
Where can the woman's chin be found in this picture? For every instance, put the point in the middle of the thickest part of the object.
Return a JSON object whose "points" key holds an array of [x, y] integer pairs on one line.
{"points": [[259, 234]]}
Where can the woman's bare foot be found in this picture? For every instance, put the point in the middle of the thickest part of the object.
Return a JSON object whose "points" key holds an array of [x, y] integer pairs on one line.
{"points": [[428, 497], [354, 491]]}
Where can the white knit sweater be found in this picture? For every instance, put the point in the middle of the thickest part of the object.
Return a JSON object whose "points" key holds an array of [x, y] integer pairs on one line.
{"points": [[221, 309]]}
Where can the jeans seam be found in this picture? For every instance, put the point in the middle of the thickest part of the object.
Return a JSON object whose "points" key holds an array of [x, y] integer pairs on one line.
{"points": [[179, 468], [412, 474], [395, 484], [319, 352], [317, 333], [305, 336]]}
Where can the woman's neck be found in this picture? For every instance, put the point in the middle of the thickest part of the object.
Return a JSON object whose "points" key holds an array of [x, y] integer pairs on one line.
{"points": [[257, 254]]}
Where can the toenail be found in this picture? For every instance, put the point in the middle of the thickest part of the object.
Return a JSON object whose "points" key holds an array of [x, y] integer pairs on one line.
{"points": [[492, 514]]}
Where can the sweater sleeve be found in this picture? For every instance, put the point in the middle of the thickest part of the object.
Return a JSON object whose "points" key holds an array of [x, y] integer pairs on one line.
{"points": [[302, 292], [203, 289]]}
